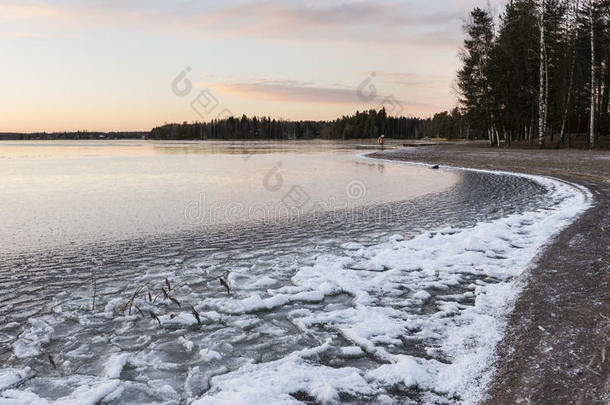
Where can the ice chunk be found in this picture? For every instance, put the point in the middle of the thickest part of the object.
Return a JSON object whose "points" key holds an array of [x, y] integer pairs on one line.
{"points": [[422, 295], [408, 370], [12, 376], [30, 341], [114, 365], [352, 246], [274, 382], [352, 351], [208, 355]]}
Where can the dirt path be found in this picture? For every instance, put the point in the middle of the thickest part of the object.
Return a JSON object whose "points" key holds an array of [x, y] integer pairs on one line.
{"points": [[557, 346]]}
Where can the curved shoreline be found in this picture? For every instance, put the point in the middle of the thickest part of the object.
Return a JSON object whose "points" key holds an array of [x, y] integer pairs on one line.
{"points": [[517, 282], [384, 308], [458, 338], [538, 178], [557, 333]]}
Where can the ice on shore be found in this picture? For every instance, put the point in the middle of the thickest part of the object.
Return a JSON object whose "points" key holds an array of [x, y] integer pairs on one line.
{"points": [[115, 364], [87, 391], [352, 351], [31, 340], [460, 339], [362, 322], [208, 355], [10, 377], [275, 381]]}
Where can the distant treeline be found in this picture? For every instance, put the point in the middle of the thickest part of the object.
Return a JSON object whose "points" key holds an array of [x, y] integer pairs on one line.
{"points": [[240, 128], [15, 136], [365, 124], [372, 123]]}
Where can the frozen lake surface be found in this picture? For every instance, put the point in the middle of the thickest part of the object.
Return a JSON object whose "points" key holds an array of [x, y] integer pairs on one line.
{"points": [[58, 193], [381, 283]]}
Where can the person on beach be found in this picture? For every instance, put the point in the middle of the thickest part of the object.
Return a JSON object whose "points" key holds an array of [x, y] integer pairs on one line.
{"points": [[381, 140]]}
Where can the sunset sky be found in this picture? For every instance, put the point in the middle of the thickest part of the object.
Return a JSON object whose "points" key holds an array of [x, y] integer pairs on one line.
{"points": [[109, 65]]}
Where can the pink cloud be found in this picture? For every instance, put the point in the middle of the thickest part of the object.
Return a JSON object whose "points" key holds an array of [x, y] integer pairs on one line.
{"points": [[345, 22]]}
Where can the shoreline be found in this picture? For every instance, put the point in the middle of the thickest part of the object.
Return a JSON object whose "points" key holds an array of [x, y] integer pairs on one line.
{"points": [[554, 346], [513, 239]]}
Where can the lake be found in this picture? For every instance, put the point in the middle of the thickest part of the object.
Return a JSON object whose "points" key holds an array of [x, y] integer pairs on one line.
{"points": [[259, 272], [57, 193]]}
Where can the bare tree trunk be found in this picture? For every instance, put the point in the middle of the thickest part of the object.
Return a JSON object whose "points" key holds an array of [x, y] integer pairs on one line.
{"points": [[494, 130], [564, 119], [592, 112], [541, 98], [489, 135], [546, 95]]}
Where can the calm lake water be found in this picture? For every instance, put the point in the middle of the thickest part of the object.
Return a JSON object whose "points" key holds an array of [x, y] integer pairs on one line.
{"points": [[58, 193]]}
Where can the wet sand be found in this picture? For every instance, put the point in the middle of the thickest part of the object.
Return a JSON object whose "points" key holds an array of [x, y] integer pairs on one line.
{"points": [[557, 346]]}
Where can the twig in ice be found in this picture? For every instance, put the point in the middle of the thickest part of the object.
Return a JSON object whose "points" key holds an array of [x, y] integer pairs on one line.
{"points": [[51, 361], [94, 282], [225, 285], [196, 315]]}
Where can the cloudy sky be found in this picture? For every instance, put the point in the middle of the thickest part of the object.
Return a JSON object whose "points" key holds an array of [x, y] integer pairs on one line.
{"points": [[132, 65]]}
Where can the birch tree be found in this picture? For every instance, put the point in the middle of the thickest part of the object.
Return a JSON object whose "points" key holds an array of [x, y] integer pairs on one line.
{"points": [[571, 28], [592, 111], [542, 99]]}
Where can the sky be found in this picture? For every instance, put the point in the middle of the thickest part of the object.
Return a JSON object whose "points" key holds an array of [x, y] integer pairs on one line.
{"points": [[127, 65]]}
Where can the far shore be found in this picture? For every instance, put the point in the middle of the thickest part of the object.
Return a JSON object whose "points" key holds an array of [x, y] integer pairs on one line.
{"points": [[576, 142]]}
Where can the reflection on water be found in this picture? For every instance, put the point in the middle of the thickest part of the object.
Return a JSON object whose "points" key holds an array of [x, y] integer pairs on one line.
{"points": [[73, 192], [74, 148]]}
